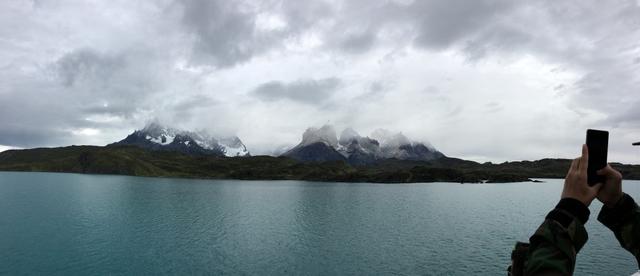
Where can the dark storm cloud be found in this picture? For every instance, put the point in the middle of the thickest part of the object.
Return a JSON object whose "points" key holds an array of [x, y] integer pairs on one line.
{"points": [[307, 91]]}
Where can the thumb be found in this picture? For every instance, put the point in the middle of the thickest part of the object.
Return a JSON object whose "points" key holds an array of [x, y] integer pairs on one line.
{"points": [[596, 188]]}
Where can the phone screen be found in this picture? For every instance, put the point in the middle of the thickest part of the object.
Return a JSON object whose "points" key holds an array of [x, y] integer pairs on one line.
{"points": [[597, 143]]}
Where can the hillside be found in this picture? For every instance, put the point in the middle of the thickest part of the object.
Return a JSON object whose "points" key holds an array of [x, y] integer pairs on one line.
{"points": [[130, 160]]}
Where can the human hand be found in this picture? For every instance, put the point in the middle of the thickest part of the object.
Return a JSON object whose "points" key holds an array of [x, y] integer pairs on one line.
{"points": [[611, 191], [575, 183]]}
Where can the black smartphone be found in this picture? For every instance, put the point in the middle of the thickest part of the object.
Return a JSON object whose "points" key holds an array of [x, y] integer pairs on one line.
{"points": [[597, 143]]}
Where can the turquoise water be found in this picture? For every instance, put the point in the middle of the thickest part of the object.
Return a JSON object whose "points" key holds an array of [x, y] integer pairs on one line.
{"points": [[90, 224]]}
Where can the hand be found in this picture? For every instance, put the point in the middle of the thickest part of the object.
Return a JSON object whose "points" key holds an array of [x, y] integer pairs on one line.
{"points": [[611, 191], [575, 184]]}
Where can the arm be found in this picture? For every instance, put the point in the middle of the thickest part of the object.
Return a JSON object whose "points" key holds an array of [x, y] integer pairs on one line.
{"points": [[620, 213], [624, 220], [554, 246]]}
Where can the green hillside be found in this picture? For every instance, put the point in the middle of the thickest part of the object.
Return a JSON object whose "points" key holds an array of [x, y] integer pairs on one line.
{"points": [[129, 160]]}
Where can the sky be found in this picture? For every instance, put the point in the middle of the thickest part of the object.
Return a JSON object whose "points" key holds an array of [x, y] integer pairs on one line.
{"points": [[486, 80]]}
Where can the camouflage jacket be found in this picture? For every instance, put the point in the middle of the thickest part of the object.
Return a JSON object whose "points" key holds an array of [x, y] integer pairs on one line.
{"points": [[624, 220], [553, 247]]}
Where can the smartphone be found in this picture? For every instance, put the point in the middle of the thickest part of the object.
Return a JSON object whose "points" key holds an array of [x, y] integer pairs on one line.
{"points": [[597, 143]]}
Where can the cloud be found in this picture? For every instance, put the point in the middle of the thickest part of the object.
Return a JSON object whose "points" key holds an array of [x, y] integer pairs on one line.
{"points": [[440, 24], [358, 42], [83, 64], [441, 70], [4, 148], [224, 33], [115, 83], [308, 91], [227, 33], [628, 115], [493, 107]]}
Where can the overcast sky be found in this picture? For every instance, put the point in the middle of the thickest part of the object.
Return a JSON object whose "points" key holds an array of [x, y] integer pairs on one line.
{"points": [[482, 80]]}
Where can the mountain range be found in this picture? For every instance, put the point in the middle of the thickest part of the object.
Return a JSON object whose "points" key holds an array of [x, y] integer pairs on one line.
{"points": [[321, 155], [322, 144], [158, 137], [317, 145]]}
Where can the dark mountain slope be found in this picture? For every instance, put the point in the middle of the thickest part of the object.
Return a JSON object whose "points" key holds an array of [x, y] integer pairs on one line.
{"points": [[315, 152]]}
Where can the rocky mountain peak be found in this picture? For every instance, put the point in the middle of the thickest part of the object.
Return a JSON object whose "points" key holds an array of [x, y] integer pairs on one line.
{"points": [[326, 134], [156, 136], [359, 150], [347, 136]]}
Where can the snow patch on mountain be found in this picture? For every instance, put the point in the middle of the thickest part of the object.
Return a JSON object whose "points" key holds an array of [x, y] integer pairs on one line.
{"points": [[162, 137], [351, 143], [158, 134], [233, 146]]}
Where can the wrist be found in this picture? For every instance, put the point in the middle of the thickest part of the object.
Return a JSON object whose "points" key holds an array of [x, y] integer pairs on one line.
{"points": [[613, 200], [569, 205], [614, 217], [584, 201]]}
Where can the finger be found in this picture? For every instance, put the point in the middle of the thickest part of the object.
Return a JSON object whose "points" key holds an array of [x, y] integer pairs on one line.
{"points": [[607, 170], [596, 188], [584, 160], [574, 164]]}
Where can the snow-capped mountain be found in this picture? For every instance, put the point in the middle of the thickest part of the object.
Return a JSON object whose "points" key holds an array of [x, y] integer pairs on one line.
{"points": [[317, 145], [326, 134], [233, 146], [396, 145], [323, 145], [357, 149], [157, 137]]}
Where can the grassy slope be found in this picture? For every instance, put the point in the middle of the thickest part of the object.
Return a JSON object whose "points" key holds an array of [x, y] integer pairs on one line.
{"points": [[128, 160]]}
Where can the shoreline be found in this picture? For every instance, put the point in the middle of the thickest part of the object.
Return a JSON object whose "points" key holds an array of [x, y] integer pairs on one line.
{"points": [[536, 180]]}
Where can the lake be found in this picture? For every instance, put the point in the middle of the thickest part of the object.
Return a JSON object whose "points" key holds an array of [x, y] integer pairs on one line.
{"points": [[102, 224]]}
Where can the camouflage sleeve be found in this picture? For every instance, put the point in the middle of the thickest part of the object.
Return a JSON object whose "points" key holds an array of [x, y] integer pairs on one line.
{"points": [[624, 220], [553, 247]]}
